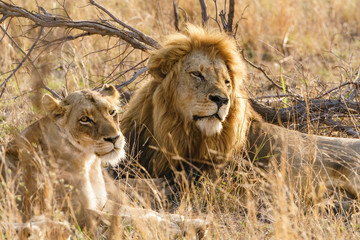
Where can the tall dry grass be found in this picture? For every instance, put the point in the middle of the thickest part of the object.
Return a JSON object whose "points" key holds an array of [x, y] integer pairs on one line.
{"points": [[313, 45]]}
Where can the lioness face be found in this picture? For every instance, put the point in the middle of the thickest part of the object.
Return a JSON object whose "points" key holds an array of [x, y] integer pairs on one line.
{"points": [[91, 122], [204, 92]]}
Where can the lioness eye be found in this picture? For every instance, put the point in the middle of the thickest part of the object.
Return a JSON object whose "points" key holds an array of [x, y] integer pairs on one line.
{"points": [[227, 82], [112, 112], [197, 74], [85, 120]]}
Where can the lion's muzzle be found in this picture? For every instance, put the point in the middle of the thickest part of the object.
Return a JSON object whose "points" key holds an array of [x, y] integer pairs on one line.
{"points": [[211, 122], [109, 144], [222, 105], [219, 100]]}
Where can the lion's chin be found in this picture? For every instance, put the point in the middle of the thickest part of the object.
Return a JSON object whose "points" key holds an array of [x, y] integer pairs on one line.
{"points": [[114, 157], [209, 126]]}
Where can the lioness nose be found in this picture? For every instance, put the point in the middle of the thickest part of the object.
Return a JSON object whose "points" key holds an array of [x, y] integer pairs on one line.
{"points": [[219, 100], [112, 139]]}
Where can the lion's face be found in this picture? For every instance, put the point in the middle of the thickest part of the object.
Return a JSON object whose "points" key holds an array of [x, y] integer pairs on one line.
{"points": [[91, 122], [203, 93]]}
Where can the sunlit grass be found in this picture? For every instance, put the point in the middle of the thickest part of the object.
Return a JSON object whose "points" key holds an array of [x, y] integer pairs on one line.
{"points": [[308, 45]]}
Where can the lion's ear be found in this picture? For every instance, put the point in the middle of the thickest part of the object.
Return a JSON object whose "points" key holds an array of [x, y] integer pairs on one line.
{"points": [[163, 60], [159, 66], [110, 93], [52, 107]]}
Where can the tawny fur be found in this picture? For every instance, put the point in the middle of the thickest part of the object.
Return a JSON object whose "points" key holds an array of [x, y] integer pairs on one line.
{"points": [[164, 132], [68, 145], [153, 117]]}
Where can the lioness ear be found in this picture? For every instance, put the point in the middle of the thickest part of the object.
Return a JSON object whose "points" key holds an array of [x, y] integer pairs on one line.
{"points": [[110, 93], [52, 107]]}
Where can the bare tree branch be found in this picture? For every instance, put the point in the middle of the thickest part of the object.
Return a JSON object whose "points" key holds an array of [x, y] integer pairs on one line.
{"points": [[176, 16], [135, 39], [231, 16], [3, 84], [133, 78], [228, 23], [123, 73], [137, 34], [216, 15], [204, 14]]}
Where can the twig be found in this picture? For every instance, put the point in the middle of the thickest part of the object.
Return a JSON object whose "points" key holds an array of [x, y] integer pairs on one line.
{"points": [[128, 70], [204, 14], [263, 71], [52, 92], [223, 19], [186, 15], [216, 15], [274, 96], [65, 39], [176, 16], [356, 84], [92, 27], [133, 78], [3, 84], [138, 35]]}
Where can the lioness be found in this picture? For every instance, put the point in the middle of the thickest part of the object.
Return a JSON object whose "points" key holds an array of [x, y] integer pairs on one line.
{"points": [[73, 138], [195, 113]]}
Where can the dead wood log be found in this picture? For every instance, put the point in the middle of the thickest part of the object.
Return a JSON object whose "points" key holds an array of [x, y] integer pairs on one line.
{"points": [[324, 109], [299, 110]]}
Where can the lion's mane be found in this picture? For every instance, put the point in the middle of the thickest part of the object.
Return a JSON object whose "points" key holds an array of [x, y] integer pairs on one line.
{"points": [[159, 136]]}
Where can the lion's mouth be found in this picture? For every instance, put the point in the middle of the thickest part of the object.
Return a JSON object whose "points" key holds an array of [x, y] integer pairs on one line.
{"points": [[215, 115], [101, 153]]}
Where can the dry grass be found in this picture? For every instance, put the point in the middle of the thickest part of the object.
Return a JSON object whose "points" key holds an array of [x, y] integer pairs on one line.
{"points": [[312, 45]]}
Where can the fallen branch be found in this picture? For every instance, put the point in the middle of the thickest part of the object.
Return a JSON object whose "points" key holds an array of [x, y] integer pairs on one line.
{"points": [[290, 114], [302, 111], [348, 130]]}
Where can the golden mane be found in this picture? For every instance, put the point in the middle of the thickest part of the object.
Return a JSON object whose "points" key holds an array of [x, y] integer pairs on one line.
{"points": [[159, 137]]}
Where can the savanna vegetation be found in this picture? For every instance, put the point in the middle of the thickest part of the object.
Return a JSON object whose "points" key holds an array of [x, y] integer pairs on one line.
{"points": [[298, 53]]}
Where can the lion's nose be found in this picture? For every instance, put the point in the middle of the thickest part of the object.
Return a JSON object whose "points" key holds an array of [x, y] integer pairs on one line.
{"points": [[219, 100], [112, 139]]}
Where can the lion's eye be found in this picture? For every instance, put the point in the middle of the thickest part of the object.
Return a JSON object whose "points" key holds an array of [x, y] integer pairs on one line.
{"points": [[112, 112], [227, 82], [85, 120], [197, 74]]}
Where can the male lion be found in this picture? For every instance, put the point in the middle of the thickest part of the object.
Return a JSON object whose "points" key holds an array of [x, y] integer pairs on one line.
{"points": [[195, 113]]}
